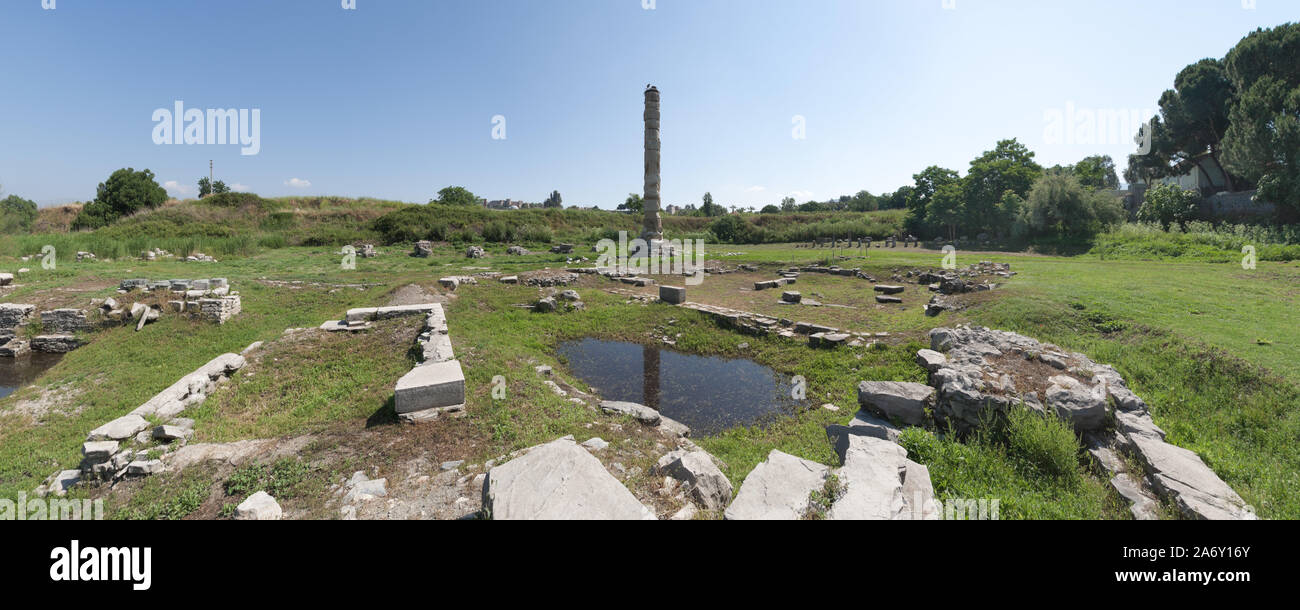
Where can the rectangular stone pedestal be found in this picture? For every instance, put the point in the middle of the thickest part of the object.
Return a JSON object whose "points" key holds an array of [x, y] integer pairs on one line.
{"points": [[672, 294], [430, 386]]}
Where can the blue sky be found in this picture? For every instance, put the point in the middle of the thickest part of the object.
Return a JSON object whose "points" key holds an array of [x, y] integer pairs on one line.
{"points": [[396, 98]]}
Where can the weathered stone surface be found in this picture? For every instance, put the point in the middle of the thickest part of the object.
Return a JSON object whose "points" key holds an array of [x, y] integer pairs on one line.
{"points": [[673, 427], [872, 480], [1143, 506], [862, 424], [437, 348], [144, 468], [1195, 489], [672, 294], [545, 305], [259, 507], [893, 400], [55, 344], [62, 481], [918, 493], [777, 489], [880, 298], [450, 283], [560, 481], [6, 279], [791, 296], [1086, 409], [423, 249], [430, 386], [696, 469], [930, 359], [475, 252], [887, 289], [64, 321], [119, 429], [168, 434], [641, 413], [13, 315], [98, 451]]}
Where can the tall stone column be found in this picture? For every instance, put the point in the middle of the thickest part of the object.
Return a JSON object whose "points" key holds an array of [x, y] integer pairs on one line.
{"points": [[651, 228]]}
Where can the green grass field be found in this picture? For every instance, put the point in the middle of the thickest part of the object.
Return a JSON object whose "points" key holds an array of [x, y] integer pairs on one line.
{"points": [[1213, 348]]}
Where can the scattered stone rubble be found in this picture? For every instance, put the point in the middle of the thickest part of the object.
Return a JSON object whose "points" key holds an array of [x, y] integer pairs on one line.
{"points": [[986, 372], [135, 444], [423, 249]]}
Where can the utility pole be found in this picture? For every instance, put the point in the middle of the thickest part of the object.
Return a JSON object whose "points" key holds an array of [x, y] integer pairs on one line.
{"points": [[210, 175]]}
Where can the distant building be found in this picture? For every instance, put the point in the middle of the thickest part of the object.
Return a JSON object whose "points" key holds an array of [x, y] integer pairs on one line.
{"points": [[508, 204]]}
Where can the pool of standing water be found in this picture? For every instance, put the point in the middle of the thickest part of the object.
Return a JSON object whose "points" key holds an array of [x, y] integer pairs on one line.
{"points": [[18, 372], [707, 393]]}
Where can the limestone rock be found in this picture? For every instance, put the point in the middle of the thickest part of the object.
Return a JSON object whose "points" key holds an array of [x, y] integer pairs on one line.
{"points": [[902, 401], [561, 481], [641, 413], [259, 507], [872, 478], [696, 469], [119, 429], [777, 489]]}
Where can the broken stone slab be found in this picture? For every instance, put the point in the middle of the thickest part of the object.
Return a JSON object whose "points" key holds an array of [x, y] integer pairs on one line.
{"points": [[168, 433], [918, 493], [55, 344], [437, 349], [777, 489], [674, 295], [1142, 505], [880, 298], [119, 429], [930, 359], [430, 386], [791, 296], [641, 413], [697, 471], [827, 340], [144, 468], [887, 289], [148, 316], [13, 315], [1180, 475], [872, 481], [862, 424], [673, 427], [595, 443], [905, 402], [13, 348], [1086, 409], [450, 283], [260, 506], [96, 452], [64, 321], [558, 481], [60, 483]]}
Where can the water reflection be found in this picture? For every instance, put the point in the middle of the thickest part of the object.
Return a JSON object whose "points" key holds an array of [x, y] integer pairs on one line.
{"points": [[18, 372], [707, 393]]}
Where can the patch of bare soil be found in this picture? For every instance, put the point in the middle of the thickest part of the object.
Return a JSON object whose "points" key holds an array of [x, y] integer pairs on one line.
{"points": [[1027, 375], [413, 294]]}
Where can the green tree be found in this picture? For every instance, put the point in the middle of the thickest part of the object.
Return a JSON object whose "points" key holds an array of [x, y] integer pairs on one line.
{"points": [[1262, 141], [1168, 204], [1096, 172], [928, 182], [1058, 206], [457, 195], [634, 202], [1010, 166], [16, 214], [788, 204], [863, 201], [947, 207], [812, 206], [709, 208], [219, 187], [126, 192], [205, 187], [770, 209], [728, 229]]}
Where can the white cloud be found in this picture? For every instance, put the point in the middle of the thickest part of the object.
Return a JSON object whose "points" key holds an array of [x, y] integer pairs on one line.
{"points": [[756, 189], [242, 188], [800, 196], [298, 183], [175, 188]]}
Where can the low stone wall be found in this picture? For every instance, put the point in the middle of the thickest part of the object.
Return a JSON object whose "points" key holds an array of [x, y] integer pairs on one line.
{"points": [[131, 445], [983, 373]]}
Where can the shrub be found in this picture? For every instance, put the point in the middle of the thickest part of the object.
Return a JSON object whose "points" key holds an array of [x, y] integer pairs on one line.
{"points": [[1059, 207], [499, 232], [125, 192], [16, 214], [1168, 204]]}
